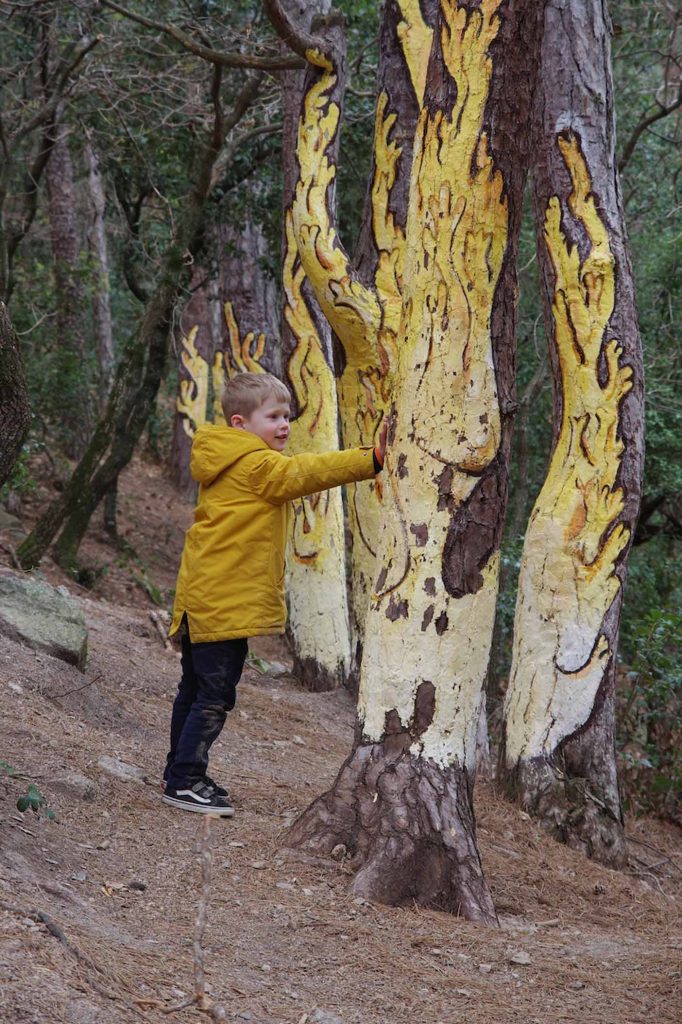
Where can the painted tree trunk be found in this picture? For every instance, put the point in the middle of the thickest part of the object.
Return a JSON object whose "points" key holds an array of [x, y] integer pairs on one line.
{"points": [[200, 341], [15, 410], [558, 755], [316, 562], [404, 47], [228, 324], [402, 802], [364, 320], [72, 355]]}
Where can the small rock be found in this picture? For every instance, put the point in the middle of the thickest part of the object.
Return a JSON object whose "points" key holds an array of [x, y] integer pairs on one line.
{"points": [[463, 992], [485, 968], [121, 769], [235, 843], [266, 967], [323, 1017], [259, 865], [577, 985], [297, 739], [137, 885], [521, 957], [79, 876], [339, 852], [104, 845], [286, 885], [74, 786]]}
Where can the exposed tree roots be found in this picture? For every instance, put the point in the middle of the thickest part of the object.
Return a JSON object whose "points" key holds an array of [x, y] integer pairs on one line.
{"points": [[408, 830]]}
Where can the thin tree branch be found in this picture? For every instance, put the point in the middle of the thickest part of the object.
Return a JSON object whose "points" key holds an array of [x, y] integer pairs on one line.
{"points": [[219, 57], [47, 111], [645, 123]]}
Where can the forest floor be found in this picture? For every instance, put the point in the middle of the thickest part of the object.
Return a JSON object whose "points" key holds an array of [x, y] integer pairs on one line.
{"points": [[98, 907]]}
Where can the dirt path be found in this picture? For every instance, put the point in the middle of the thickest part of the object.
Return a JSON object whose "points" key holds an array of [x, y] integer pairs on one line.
{"points": [[97, 909]]}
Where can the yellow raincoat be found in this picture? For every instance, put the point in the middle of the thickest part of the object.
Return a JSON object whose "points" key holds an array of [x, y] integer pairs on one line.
{"points": [[231, 579]]}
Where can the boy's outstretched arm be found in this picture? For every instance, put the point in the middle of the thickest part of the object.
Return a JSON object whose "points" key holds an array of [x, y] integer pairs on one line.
{"points": [[278, 478]]}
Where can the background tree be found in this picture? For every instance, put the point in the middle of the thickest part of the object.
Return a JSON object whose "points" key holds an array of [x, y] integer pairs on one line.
{"points": [[559, 749]]}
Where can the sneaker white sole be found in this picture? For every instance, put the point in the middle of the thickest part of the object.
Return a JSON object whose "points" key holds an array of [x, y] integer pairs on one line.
{"points": [[216, 812]]}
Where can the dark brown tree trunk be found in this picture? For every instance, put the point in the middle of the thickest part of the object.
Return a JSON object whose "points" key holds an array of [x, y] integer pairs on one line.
{"points": [[73, 378], [402, 801], [15, 410], [559, 755]]}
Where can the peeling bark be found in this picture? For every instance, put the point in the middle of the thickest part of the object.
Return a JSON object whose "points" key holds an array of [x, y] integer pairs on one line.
{"points": [[559, 755]]}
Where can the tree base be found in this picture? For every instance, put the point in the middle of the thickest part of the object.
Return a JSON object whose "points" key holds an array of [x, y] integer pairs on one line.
{"points": [[570, 809], [314, 677], [408, 830]]}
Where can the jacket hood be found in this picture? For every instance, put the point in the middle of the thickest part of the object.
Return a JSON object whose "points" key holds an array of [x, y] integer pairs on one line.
{"points": [[216, 448]]}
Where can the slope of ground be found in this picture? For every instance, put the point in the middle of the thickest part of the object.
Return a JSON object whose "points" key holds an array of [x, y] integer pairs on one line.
{"points": [[98, 908]]}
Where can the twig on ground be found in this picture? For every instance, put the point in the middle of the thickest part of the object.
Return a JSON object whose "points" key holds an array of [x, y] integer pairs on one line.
{"points": [[161, 628], [76, 689]]}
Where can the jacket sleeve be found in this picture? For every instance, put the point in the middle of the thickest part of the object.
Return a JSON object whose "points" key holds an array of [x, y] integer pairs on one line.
{"points": [[279, 478]]}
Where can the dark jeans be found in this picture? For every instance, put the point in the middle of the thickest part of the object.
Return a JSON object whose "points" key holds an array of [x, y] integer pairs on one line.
{"points": [[207, 691]]}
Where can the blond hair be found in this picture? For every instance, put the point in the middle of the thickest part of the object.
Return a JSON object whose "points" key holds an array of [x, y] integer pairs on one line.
{"points": [[245, 392]]}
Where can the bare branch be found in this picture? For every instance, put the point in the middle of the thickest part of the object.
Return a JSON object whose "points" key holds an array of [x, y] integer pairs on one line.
{"points": [[46, 112], [224, 59], [645, 123]]}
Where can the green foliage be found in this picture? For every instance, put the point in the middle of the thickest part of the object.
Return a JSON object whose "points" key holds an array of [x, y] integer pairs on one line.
{"points": [[33, 800]]}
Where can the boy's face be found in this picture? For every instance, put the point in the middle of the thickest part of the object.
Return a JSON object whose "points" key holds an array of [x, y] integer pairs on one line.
{"points": [[270, 421]]}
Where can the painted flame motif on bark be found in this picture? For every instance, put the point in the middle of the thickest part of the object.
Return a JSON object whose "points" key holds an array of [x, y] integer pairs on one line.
{"points": [[415, 39], [447, 422], [316, 571], [314, 429], [243, 354], [191, 402], [366, 320], [568, 581]]}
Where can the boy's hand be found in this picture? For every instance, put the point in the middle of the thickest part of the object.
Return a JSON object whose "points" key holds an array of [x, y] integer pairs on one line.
{"points": [[381, 443]]}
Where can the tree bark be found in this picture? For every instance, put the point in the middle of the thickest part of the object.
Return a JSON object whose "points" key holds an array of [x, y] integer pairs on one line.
{"points": [[15, 409], [558, 755], [431, 613], [73, 358], [101, 301]]}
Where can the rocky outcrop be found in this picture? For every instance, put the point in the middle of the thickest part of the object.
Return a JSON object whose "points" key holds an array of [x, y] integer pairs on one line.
{"points": [[42, 617]]}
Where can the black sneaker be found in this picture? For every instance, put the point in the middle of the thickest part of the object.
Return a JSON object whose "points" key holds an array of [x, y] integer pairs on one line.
{"points": [[200, 798], [218, 790]]}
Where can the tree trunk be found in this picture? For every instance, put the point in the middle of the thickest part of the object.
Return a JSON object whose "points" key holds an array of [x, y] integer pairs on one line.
{"points": [[558, 755], [101, 307], [101, 303], [72, 383], [316, 564], [431, 614], [15, 409]]}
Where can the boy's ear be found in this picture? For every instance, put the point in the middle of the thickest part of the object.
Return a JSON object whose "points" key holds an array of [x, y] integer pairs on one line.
{"points": [[238, 421]]}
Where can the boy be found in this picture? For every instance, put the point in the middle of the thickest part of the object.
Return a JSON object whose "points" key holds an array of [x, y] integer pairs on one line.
{"points": [[231, 580]]}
